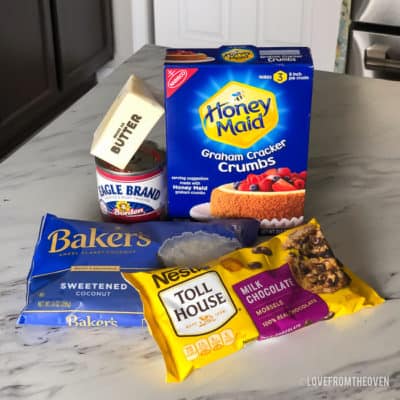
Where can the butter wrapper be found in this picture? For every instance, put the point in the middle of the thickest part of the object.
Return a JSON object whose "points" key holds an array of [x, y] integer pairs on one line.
{"points": [[126, 124]]}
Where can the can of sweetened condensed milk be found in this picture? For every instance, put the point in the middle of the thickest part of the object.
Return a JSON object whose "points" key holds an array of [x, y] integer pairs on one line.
{"points": [[136, 193]]}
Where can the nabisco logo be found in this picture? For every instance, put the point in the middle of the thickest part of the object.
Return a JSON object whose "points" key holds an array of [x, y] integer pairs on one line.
{"points": [[176, 78]]}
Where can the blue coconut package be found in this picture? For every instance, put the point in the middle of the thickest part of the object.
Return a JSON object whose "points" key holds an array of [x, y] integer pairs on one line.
{"points": [[76, 273]]}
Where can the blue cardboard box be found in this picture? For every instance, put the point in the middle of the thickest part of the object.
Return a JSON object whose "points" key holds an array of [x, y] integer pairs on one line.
{"points": [[237, 128]]}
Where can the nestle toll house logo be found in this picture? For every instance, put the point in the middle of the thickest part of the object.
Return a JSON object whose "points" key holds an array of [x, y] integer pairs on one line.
{"points": [[239, 114]]}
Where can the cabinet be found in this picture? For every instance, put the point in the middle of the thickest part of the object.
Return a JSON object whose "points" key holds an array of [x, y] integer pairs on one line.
{"points": [[50, 51]]}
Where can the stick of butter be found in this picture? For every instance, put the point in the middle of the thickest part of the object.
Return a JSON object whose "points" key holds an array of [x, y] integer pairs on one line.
{"points": [[127, 123]]}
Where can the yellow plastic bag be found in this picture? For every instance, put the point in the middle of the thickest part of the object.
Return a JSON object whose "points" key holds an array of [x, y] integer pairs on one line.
{"points": [[200, 314], [194, 315]]}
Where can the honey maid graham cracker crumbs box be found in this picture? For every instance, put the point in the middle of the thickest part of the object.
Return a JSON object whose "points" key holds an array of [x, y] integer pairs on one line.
{"points": [[237, 127]]}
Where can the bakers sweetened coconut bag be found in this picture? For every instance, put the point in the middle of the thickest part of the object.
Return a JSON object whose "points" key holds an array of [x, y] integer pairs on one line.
{"points": [[76, 277]]}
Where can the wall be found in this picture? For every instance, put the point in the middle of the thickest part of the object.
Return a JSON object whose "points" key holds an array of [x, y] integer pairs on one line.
{"points": [[211, 23], [133, 28]]}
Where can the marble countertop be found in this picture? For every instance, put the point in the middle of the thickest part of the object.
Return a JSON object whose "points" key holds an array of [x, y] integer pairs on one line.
{"points": [[354, 191]]}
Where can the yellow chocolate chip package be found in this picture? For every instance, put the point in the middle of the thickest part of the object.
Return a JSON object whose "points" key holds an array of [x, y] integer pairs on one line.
{"points": [[203, 313], [194, 315]]}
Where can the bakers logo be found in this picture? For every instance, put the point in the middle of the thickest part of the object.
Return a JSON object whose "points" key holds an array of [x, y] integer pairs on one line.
{"points": [[62, 239], [199, 305], [238, 55], [73, 320], [239, 114]]}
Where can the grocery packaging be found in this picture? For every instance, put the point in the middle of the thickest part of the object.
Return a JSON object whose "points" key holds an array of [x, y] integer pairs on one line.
{"points": [[137, 193], [76, 277], [130, 170], [241, 115], [126, 124], [200, 314]]}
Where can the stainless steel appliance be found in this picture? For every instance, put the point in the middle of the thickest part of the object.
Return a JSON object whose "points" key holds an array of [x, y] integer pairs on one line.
{"points": [[374, 39]]}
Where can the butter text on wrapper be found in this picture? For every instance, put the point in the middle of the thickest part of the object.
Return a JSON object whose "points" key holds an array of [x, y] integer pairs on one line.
{"points": [[121, 136]]}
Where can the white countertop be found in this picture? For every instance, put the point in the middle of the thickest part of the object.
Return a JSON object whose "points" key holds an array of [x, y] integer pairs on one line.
{"points": [[354, 191]]}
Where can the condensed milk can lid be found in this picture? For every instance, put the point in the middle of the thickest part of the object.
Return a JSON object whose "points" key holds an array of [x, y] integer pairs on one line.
{"points": [[147, 159]]}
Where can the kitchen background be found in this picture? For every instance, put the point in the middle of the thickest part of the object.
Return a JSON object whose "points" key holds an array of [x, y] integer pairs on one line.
{"points": [[210, 23], [53, 51]]}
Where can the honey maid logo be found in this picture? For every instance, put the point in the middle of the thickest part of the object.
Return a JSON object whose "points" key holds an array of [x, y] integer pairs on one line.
{"points": [[239, 114], [238, 55]]}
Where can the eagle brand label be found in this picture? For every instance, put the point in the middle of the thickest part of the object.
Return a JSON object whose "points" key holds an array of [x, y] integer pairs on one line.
{"points": [[140, 198], [137, 195]]}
